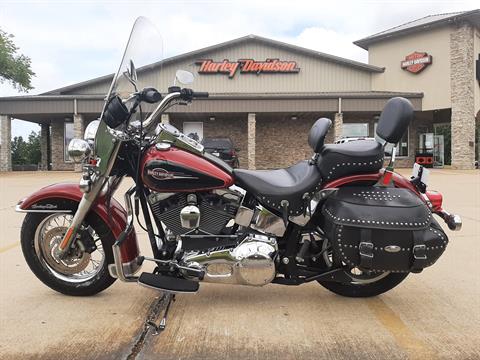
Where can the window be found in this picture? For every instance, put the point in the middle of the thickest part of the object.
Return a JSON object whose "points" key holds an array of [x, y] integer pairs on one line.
{"points": [[68, 134], [402, 146], [355, 130]]}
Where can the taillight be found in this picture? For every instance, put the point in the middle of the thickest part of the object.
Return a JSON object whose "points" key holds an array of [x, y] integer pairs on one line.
{"points": [[436, 199]]}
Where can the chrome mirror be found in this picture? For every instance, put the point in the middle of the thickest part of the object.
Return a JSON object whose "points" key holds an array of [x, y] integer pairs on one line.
{"points": [[184, 77], [131, 73]]}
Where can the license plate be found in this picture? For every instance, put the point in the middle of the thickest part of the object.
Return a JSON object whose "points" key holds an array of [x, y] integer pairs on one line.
{"points": [[216, 153], [417, 168]]}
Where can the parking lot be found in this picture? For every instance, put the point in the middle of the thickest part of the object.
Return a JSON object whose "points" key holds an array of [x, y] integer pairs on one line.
{"points": [[432, 315]]}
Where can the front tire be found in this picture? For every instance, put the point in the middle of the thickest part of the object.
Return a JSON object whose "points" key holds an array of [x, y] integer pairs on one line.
{"points": [[78, 275], [359, 289]]}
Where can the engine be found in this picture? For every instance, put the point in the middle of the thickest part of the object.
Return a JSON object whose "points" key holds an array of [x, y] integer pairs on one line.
{"points": [[252, 262], [181, 212]]}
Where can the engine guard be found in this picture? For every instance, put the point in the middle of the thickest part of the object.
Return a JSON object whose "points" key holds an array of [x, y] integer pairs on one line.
{"points": [[48, 200]]}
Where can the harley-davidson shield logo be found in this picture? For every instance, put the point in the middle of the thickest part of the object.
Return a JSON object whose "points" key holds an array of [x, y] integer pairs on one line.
{"points": [[416, 62]]}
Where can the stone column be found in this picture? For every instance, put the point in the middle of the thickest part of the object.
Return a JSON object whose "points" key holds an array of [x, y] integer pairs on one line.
{"points": [[462, 97], [79, 129], [44, 134], [5, 143], [338, 126], [251, 141], [57, 147], [165, 119]]}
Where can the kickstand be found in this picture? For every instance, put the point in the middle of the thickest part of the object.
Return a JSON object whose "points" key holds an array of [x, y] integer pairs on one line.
{"points": [[163, 323]]}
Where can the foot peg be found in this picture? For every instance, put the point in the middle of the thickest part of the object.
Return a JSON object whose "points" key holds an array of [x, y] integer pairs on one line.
{"points": [[163, 323], [168, 283]]}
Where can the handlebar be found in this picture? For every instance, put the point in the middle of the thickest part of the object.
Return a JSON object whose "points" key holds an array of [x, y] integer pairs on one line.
{"points": [[174, 93], [200, 94]]}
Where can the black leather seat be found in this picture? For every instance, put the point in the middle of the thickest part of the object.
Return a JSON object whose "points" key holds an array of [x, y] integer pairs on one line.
{"points": [[350, 158], [282, 189]]}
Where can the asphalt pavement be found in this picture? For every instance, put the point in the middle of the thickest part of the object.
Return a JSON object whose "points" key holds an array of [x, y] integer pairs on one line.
{"points": [[432, 315]]}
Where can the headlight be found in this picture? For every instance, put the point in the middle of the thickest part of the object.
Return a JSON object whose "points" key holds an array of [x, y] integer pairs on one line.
{"points": [[91, 130], [78, 150]]}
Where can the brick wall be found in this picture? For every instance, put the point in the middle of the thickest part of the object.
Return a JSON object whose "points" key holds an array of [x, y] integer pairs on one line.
{"points": [[281, 141]]}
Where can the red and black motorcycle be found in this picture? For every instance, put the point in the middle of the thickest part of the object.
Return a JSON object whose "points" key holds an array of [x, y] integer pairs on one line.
{"points": [[339, 218]]}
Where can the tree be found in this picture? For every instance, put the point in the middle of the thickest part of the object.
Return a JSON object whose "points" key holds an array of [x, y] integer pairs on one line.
{"points": [[26, 152], [14, 68]]}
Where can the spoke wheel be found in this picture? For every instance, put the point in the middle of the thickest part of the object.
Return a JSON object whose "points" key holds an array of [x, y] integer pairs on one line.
{"points": [[83, 271], [78, 265], [363, 283]]}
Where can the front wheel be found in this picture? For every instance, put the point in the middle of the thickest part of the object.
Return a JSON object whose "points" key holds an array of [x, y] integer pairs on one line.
{"points": [[84, 270], [365, 284]]}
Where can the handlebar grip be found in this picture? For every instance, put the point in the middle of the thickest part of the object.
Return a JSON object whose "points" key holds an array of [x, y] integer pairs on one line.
{"points": [[200, 94]]}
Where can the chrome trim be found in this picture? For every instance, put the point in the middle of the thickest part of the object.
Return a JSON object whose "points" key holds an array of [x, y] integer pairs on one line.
{"points": [[20, 210], [117, 256], [250, 263], [319, 196], [457, 222], [267, 222], [129, 269], [190, 217], [161, 107], [244, 216]]}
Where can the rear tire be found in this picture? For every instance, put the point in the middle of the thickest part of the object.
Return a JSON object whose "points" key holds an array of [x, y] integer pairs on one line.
{"points": [[365, 290], [100, 278]]}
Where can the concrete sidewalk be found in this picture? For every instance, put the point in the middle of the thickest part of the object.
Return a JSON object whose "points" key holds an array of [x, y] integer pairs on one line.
{"points": [[432, 315]]}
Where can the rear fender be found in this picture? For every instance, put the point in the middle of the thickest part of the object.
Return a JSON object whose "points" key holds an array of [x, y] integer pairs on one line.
{"points": [[398, 180], [53, 197]]}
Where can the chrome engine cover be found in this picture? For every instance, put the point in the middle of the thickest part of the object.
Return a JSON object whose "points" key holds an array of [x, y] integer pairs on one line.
{"points": [[250, 263]]}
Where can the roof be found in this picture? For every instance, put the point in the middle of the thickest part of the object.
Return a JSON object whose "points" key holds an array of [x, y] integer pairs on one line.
{"points": [[423, 23], [271, 42], [239, 96]]}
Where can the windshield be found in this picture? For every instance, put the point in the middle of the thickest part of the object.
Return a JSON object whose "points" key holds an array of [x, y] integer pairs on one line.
{"points": [[144, 48]]}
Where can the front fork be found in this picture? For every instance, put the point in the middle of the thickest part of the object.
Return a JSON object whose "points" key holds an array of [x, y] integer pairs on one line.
{"points": [[83, 208]]}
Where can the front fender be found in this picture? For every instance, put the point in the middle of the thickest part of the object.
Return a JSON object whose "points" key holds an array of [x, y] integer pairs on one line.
{"points": [[48, 199]]}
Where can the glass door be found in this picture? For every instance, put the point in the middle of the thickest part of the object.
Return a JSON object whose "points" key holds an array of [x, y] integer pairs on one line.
{"points": [[438, 151]]}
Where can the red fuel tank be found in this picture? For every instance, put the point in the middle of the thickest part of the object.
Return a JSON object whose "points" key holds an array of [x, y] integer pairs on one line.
{"points": [[176, 170]]}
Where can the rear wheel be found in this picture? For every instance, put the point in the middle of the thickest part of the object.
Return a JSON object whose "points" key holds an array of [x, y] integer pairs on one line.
{"points": [[365, 284], [84, 270]]}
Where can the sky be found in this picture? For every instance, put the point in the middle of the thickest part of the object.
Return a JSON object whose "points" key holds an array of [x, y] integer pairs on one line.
{"points": [[72, 41]]}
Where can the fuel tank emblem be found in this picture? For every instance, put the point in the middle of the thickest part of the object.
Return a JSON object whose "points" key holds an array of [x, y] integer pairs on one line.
{"points": [[162, 174], [392, 248]]}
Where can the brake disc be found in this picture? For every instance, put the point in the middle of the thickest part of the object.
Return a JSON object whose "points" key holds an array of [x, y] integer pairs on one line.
{"points": [[74, 262]]}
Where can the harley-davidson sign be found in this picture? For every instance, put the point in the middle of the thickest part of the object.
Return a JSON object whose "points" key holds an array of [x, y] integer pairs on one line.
{"points": [[416, 62], [230, 68]]}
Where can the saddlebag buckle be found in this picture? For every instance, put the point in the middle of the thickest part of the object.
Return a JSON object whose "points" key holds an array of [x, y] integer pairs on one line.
{"points": [[366, 249], [420, 252]]}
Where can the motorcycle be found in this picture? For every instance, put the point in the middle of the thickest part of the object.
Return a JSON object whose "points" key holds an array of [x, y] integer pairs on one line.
{"points": [[339, 218]]}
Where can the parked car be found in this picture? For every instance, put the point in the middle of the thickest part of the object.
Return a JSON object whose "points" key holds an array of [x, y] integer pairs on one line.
{"points": [[222, 148]]}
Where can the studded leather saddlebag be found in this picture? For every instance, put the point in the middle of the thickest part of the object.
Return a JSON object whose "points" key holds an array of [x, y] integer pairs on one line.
{"points": [[383, 229]]}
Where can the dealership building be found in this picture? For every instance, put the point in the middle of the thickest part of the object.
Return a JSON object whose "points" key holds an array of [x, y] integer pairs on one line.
{"points": [[265, 95]]}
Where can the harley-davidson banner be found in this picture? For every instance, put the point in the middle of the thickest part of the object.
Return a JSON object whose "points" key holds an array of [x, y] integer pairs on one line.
{"points": [[416, 62], [230, 68]]}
